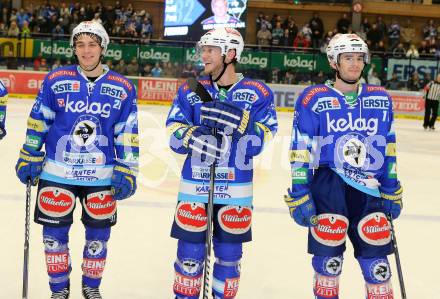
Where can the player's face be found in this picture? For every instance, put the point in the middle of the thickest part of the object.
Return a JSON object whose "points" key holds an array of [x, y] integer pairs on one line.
{"points": [[212, 59], [219, 7], [351, 65], [88, 51]]}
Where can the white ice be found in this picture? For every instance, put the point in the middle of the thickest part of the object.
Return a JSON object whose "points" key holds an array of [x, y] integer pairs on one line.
{"points": [[275, 264]]}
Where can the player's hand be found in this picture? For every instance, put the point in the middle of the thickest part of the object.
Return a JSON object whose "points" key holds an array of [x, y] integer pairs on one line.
{"points": [[2, 131], [302, 208], [392, 200], [123, 181], [226, 117], [29, 165], [204, 144]]}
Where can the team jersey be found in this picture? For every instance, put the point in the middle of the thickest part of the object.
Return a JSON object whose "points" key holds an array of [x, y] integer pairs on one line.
{"points": [[356, 139], [85, 126], [234, 172], [3, 103]]}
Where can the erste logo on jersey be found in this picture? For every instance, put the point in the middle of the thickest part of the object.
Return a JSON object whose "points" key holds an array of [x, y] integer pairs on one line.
{"points": [[375, 102], [244, 95], [193, 98], [113, 91], [66, 86], [326, 103]]}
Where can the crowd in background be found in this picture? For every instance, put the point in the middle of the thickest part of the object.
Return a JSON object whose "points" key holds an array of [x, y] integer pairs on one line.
{"points": [[127, 25]]}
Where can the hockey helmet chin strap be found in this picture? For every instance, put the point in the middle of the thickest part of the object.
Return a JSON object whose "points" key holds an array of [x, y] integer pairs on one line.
{"points": [[92, 69], [225, 65]]}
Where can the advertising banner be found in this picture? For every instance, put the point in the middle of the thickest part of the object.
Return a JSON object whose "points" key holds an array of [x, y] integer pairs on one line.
{"points": [[19, 47], [163, 91], [405, 67]]}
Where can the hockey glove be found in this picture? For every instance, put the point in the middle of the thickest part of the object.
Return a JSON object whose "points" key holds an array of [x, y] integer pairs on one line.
{"points": [[302, 208], [29, 165], [2, 131], [204, 144], [226, 117], [123, 181], [392, 200]]}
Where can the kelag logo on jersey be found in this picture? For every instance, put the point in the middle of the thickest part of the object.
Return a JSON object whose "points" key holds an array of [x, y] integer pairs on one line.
{"points": [[368, 125], [113, 91], [244, 95], [65, 86], [326, 103], [375, 102], [93, 108]]}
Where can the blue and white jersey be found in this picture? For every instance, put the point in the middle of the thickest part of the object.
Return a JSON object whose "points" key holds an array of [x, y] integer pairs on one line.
{"points": [[3, 104], [234, 173], [356, 140], [85, 126]]}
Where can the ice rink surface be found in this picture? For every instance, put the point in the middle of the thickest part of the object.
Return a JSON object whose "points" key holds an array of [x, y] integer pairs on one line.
{"points": [[275, 265]]}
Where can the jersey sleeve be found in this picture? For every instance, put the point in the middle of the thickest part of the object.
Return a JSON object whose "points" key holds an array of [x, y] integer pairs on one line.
{"points": [[41, 117], [179, 119], [305, 128], [389, 172], [126, 133], [3, 104], [265, 124]]}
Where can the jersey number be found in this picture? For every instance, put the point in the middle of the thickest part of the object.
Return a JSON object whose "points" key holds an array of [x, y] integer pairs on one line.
{"points": [[117, 104]]}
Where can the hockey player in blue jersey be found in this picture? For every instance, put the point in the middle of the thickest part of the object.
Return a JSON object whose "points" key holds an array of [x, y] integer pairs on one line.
{"points": [[85, 116], [3, 103], [344, 180], [243, 112]]}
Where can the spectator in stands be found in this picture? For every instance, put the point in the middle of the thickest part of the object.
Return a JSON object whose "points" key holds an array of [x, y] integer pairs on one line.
{"points": [[317, 27], [146, 70], [264, 36], [286, 40], [381, 26], [5, 14], [374, 35], [121, 67], [277, 34], [13, 30], [56, 64], [432, 46], [408, 33], [189, 71], [300, 42], [399, 51], [259, 20], [168, 70], [393, 83], [275, 76], [57, 32], [343, 23], [325, 42], [365, 26], [22, 16], [423, 49], [44, 67], [133, 68], [426, 79], [381, 47], [307, 32], [372, 76], [430, 30], [146, 29], [319, 78], [412, 52], [289, 77], [109, 64], [293, 30], [3, 29], [268, 23], [414, 83], [393, 35], [156, 71]]}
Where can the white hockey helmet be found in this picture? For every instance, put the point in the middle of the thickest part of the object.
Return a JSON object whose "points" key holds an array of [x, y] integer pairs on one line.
{"points": [[91, 27], [346, 43], [225, 38]]}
